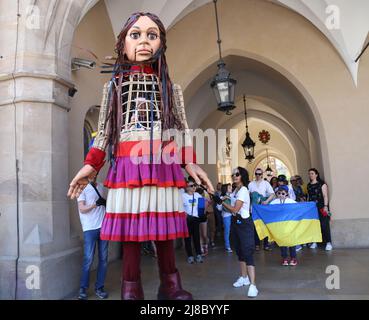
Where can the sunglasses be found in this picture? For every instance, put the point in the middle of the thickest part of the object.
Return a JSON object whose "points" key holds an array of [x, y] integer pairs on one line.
{"points": [[191, 186], [281, 193], [258, 174], [237, 174]]}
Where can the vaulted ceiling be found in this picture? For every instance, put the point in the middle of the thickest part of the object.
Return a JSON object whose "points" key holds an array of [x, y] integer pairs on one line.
{"points": [[348, 39]]}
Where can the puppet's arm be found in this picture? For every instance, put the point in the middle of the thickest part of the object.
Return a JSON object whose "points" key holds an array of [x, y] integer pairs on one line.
{"points": [[96, 155], [186, 151]]}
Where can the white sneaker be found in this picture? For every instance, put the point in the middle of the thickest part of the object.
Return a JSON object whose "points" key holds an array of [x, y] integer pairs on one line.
{"points": [[328, 246], [313, 245], [241, 281], [253, 291]]}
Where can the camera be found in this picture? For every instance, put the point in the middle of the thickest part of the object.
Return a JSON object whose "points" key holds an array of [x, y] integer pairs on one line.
{"points": [[77, 63]]}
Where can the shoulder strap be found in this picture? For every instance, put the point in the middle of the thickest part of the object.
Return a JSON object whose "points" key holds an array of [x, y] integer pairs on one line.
{"points": [[193, 201], [97, 191]]}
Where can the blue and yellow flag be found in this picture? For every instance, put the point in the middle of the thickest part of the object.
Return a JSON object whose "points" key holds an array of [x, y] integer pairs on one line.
{"points": [[288, 224]]}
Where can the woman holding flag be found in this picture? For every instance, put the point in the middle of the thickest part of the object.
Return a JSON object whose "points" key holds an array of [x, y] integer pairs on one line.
{"points": [[242, 229]]}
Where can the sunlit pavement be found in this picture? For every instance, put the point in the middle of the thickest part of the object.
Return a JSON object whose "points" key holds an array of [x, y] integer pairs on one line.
{"points": [[213, 279]]}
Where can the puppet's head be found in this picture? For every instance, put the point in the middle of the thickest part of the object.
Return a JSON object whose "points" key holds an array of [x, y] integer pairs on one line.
{"points": [[142, 40]]}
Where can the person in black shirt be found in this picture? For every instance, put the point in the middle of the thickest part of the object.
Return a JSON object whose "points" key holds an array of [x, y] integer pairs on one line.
{"points": [[318, 192]]}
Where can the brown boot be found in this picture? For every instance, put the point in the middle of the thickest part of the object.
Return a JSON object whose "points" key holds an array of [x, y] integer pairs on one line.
{"points": [[171, 288], [132, 290]]}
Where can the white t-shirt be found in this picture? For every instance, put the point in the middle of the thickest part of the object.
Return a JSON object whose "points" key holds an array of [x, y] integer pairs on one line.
{"points": [[244, 196], [92, 219], [262, 187], [279, 201], [225, 213], [291, 193], [190, 203]]}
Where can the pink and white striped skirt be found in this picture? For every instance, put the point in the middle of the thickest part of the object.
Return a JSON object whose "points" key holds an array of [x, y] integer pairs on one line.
{"points": [[144, 200]]}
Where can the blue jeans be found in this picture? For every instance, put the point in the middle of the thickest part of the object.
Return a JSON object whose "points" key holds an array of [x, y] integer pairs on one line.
{"points": [[284, 252], [91, 237], [227, 231]]}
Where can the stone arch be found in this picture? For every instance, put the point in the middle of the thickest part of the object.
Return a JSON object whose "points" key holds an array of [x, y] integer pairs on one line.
{"points": [[207, 111]]}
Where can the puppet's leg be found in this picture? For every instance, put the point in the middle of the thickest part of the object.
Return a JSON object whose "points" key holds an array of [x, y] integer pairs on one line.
{"points": [[131, 273], [170, 281]]}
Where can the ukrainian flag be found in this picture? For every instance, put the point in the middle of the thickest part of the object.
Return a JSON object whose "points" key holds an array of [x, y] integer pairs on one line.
{"points": [[288, 224]]}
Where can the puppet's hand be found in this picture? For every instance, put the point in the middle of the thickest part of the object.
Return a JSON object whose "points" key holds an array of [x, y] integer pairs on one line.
{"points": [[217, 200], [199, 176], [81, 180]]}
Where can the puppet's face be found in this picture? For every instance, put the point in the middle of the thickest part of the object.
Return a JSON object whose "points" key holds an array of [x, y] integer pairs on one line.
{"points": [[142, 40]]}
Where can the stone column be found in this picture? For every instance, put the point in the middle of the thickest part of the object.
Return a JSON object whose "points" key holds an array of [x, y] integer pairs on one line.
{"points": [[38, 257]]}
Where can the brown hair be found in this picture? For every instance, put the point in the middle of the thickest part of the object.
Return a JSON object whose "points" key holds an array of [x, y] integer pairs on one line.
{"points": [[123, 65], [318, 178]]}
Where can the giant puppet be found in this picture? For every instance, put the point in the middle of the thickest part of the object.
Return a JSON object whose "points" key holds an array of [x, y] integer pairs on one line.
{"points": [[140, 104]]}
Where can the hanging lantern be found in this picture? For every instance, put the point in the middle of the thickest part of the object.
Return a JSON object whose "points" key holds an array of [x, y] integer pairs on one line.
{"points": [[248, 144], [248, 147], [223, 85], [269, 170]]}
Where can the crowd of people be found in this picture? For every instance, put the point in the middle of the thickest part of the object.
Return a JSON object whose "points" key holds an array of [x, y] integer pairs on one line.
{"points": [[227, 212], [230, 210]]}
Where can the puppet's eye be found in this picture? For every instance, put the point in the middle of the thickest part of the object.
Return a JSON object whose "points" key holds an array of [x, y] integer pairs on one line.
{"points": [[135, 35], [152, 36]]}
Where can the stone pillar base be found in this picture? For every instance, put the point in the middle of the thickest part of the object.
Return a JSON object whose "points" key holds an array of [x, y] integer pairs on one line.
{"points": [[7, 277], [51, 277]]}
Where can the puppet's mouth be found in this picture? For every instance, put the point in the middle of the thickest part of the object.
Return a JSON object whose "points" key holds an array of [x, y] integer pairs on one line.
{"points": [[144, 51]]}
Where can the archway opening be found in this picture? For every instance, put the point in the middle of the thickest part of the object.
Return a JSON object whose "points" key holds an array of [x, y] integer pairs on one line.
{"points": [[278, 167]]}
